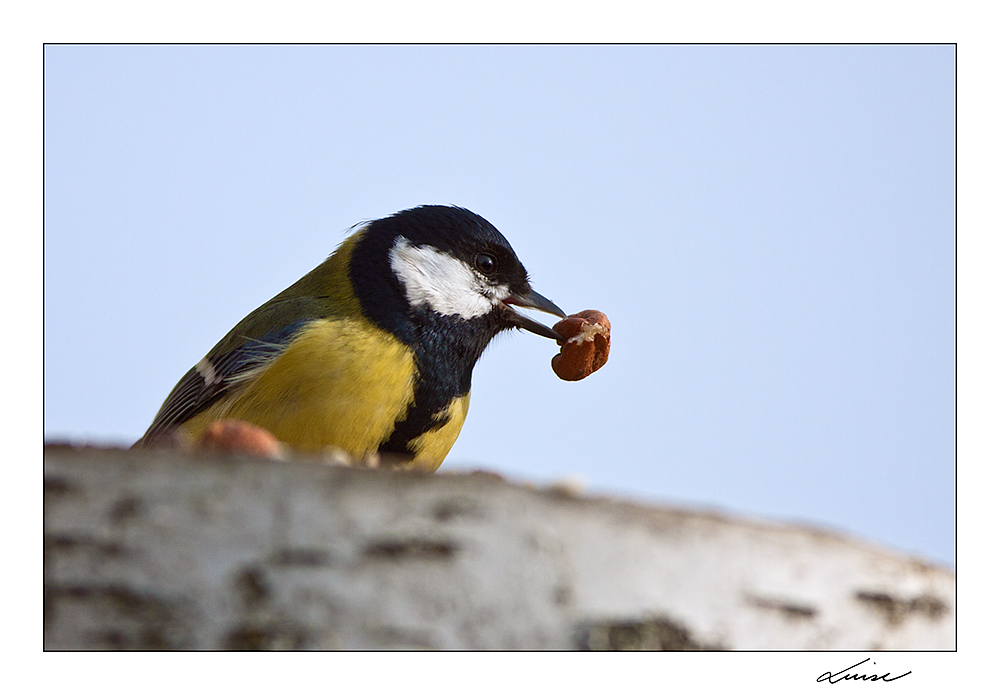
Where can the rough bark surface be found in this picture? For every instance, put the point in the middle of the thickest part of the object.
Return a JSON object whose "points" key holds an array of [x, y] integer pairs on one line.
{"points": [[166, 550]]}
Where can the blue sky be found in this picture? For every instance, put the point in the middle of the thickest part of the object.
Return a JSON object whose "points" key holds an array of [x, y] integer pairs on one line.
{"points": [[771, 231]]}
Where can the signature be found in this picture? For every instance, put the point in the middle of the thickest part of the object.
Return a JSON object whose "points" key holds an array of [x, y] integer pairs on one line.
{"points": [[839, 675]]}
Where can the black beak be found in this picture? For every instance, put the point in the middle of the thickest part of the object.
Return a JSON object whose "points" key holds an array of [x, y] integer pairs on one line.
{"points": [[533, 300]]}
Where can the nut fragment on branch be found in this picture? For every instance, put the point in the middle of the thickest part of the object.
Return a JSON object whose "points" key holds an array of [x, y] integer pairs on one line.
{"points": [[240, 437]]}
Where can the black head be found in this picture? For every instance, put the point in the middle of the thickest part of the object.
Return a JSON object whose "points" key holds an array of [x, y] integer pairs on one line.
{"points": [[443, 266]]}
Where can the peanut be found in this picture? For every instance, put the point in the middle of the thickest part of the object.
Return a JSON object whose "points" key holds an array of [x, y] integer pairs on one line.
{"points": [[585, 346]]}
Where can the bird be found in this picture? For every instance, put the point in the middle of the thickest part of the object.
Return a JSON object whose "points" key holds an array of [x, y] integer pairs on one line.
{"points": [[371, 353]]}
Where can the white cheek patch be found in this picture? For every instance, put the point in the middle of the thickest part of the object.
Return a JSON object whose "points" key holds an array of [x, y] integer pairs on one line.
{"points": [[441, 281]]}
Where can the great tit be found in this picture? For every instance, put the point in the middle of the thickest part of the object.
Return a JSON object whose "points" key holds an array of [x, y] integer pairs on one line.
{"points": [[372, 352]]}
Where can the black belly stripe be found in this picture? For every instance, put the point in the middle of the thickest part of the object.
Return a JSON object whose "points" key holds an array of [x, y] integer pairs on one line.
{"points": [[445, 351], [418, 421]]}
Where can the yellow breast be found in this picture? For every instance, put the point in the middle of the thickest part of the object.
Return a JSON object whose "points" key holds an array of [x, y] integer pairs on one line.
{"points": [[341, 383]]}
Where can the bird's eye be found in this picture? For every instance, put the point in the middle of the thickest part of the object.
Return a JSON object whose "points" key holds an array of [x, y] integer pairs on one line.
{"points": [[486, 263]]}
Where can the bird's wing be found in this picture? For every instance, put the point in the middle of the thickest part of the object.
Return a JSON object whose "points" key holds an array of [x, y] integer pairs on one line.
{"points": [[254, 343]]}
